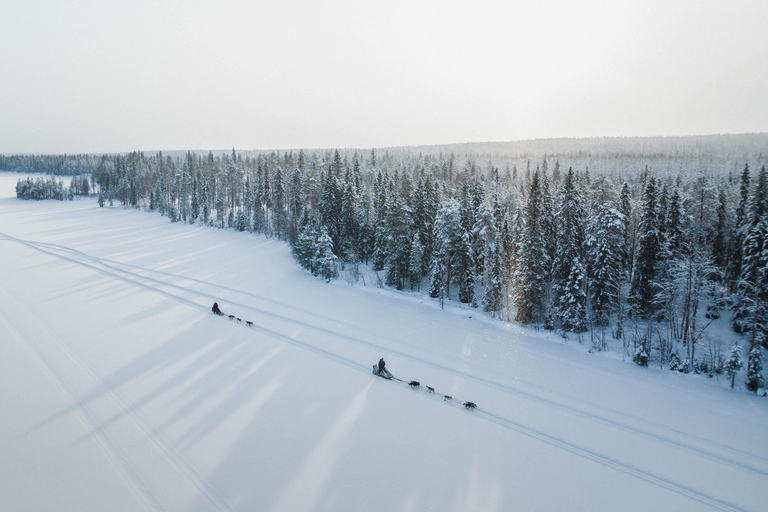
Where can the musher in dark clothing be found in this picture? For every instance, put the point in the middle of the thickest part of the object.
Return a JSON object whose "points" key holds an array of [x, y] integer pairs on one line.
{"points": [[216, 309], [381, 365]]}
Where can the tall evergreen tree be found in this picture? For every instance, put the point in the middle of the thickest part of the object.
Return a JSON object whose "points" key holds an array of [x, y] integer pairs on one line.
{"points": [[642, 292], [568, 282], [534, 259]]}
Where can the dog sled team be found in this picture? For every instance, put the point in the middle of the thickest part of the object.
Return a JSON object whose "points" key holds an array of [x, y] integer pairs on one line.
{"points": [[378, 369]]}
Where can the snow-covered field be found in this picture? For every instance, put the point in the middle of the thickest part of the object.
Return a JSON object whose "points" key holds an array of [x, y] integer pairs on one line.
{"points": [[119, 390]]}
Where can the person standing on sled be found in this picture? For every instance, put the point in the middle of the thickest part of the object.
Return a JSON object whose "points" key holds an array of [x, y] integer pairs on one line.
{"points": [[382, 364], [216, 309]]}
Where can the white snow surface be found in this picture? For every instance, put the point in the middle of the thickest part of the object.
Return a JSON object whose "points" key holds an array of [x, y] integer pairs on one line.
{"points": [[119, 390]]}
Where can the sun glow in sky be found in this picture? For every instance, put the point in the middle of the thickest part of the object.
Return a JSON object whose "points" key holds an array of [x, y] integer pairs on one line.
{"points": [[89, 75]]}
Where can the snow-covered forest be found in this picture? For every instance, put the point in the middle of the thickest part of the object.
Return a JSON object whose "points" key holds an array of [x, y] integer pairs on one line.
{"points": [[640, 240]]}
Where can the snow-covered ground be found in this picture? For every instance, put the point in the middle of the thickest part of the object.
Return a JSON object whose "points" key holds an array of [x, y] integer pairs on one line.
{"points": [[119, 390]]}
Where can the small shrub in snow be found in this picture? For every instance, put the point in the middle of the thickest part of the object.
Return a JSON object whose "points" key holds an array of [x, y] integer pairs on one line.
{"points": [[755, 369], [734, 364], [641, 356], [674, 363]]}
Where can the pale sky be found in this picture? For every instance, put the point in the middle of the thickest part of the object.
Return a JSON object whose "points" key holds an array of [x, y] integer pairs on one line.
{"points": [[96, 76]]}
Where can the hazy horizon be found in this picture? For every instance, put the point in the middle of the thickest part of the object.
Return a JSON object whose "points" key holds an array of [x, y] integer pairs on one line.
{"points": [[94, 77]]}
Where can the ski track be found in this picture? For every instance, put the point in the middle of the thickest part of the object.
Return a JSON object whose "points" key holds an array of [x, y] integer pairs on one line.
{"points": [[497, 419]]}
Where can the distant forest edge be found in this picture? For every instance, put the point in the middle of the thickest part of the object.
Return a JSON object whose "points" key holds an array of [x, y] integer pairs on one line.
{"points": [[645, 240], [714, 151]]}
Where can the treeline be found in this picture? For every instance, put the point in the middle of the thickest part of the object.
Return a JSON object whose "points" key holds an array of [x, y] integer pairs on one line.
{"points": [[50, 188], [58, 165], [647, 258]]}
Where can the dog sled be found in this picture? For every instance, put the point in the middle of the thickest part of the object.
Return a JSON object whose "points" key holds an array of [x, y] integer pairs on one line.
{"points": [[383, 373]]}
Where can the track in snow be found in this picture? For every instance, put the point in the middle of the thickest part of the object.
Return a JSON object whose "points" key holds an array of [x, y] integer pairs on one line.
{"points": [[141, 281]]}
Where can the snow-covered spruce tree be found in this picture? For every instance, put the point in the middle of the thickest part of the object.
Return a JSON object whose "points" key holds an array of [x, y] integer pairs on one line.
{"points": [[220, 210], [296, 199], [752, 290], [266, 197], [304, 249], [720, 242], [437, 280], [350, 228], [506, 246], [642, 291], [673, 236], [206, 209], [534, 259], [398, 243], [627, 251], [741, 224], [568, 282], [330, 203], [241, 224], [194, 208], [448, 232], [605, 245], [755, 369], [279, 204], [493, 300], [259, 221], [464, 269], [325, 261], [416, 261], [734, 364]]}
